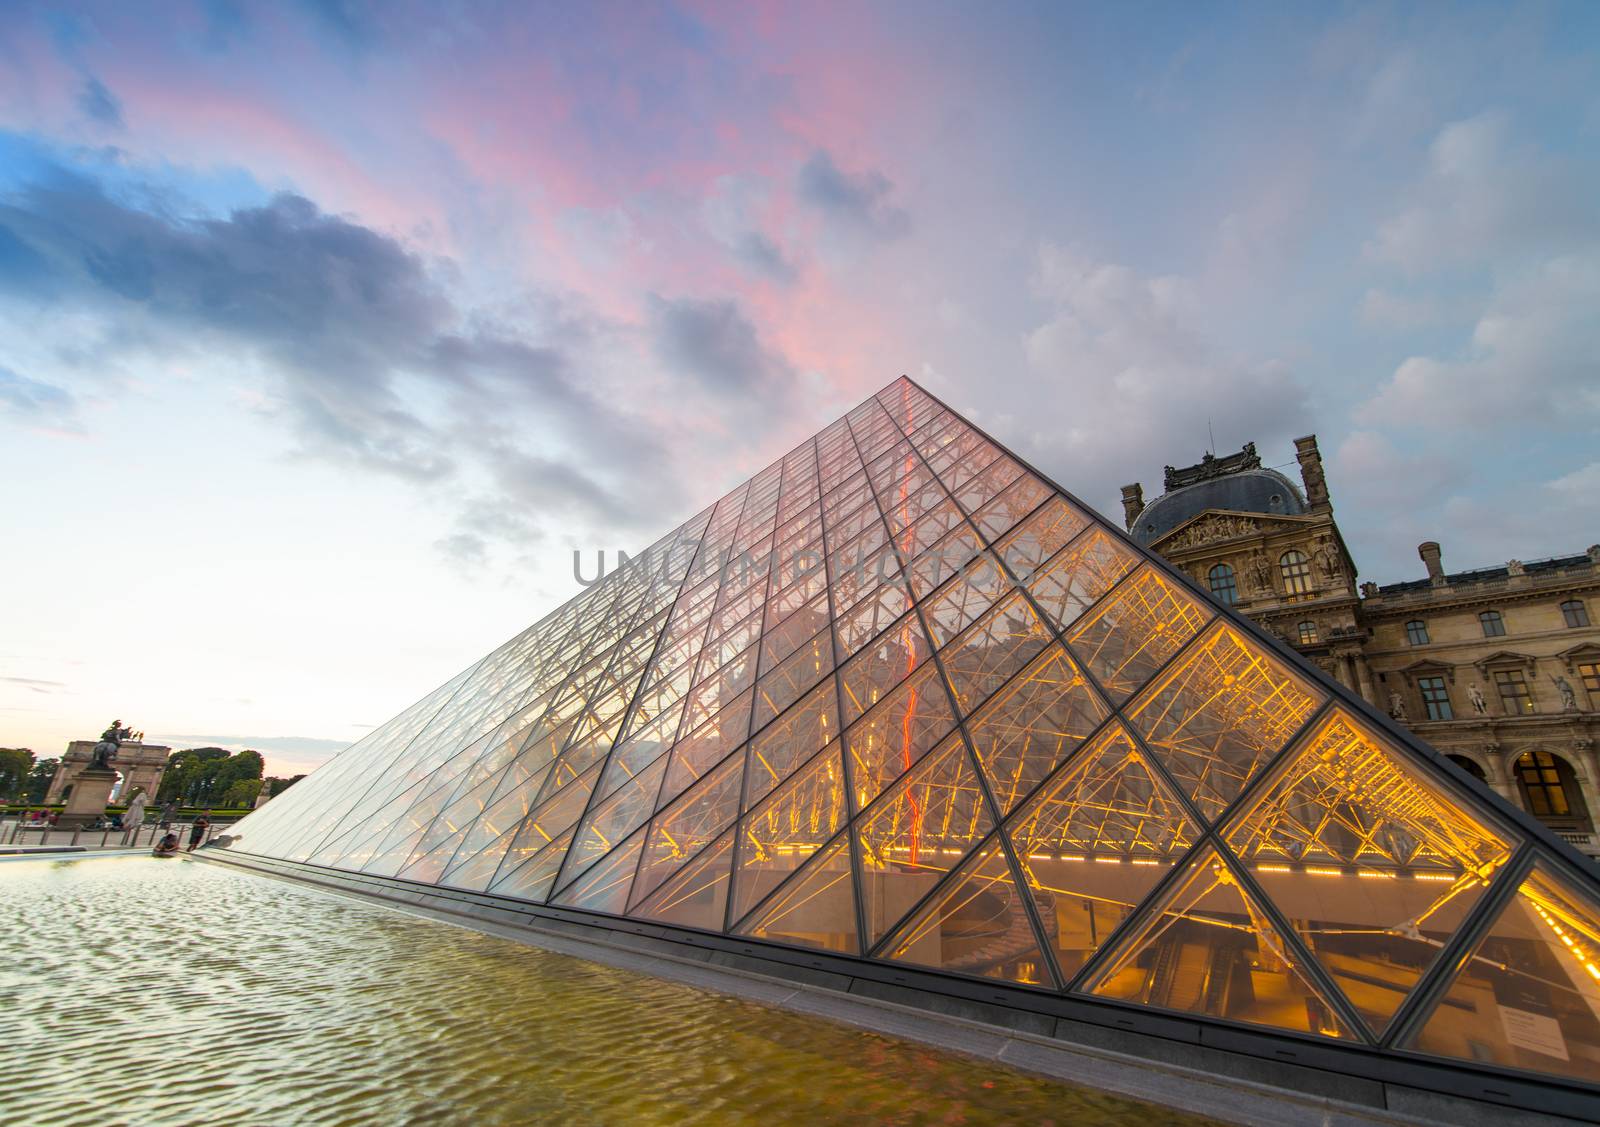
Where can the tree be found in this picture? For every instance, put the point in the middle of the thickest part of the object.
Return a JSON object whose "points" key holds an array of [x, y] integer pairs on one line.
{"points": [[202, 776], [276, 786], [241, 794], [16, 763], [39, 779]]}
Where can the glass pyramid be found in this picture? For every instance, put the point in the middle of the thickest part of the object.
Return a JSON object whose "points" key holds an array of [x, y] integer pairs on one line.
{"points": [[899, 698]]}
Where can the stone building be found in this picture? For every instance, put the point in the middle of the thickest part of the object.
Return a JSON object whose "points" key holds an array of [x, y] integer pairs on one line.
{"points": [[1498, 668], [140, 764]]}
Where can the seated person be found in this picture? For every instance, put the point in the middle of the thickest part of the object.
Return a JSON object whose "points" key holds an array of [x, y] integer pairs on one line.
{"points": [[167, 846]]}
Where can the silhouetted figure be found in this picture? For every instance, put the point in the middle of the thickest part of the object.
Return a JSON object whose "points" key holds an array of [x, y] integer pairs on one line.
{"points": [[197, 832]]}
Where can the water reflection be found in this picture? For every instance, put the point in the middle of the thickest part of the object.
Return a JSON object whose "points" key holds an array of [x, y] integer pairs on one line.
{"points": [[178, 992]]}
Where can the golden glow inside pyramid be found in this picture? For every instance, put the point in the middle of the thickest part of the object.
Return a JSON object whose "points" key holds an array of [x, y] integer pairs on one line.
{"points": [[899, 698]]}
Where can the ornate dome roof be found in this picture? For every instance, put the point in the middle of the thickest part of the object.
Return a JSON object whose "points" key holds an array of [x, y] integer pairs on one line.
{"points": [[1249, 491]]}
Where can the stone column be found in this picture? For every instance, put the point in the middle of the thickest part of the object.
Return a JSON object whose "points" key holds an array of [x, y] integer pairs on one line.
{"points": [[1364, 676]]}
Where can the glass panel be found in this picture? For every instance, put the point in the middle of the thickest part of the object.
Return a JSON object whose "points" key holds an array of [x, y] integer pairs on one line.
{"points": [[685, 828], [874, 671], [475, 870], [1376, 863], [788, 682], [1040, 537], [1016, 501], [531, 879], [777, 837], [790, 740], [640, 750], [604, 888], [1133, 632], [975, 925], [699, 752], [923, 826], [1529, 995], [870, 617], [1207, 948], [555, 816], [998, 645], [817, 909], [899, 731], [697, 896], [959, 603], [1094, 841], [611, 821], [1079, 574], [1220, 713], [1034, 723]]}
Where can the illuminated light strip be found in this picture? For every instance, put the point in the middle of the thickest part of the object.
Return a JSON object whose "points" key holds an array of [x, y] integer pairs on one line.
{"points": [[1321, 872]]}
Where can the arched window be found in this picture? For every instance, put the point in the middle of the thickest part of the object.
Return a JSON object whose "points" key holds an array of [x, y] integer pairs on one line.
{"points": [[1223, 588], [1417, 632], [1308, 633], [1575, 613], [1470, 766], [1548, 786], [1493, 625], [1296, 569]]}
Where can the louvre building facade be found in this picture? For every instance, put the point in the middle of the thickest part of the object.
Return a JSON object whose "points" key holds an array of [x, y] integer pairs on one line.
{"points": [[900, 711]]}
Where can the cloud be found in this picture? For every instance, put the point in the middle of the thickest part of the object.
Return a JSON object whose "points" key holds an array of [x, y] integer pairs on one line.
{"points": [[34, 685], [37, 402], [1384, 309], [1530, 359], [713, 344], [856, 202], [730, 214], [100, 104], [378, 368], [1486, 196], [1121, 376]]}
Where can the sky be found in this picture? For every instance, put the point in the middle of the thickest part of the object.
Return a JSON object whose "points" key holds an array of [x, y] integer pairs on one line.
{"points": [[330, 330]]}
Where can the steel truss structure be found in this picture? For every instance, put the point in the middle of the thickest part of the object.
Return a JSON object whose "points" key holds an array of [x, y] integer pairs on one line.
{"points": [[900, 698]]}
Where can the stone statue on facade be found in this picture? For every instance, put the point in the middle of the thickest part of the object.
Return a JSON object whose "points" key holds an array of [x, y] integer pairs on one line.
{"points": [[1397, 707], [1369, 590], [1260, 572], [1569, 699], [1475, 695], [1515, 568], [1328, 562], [110, 743]]}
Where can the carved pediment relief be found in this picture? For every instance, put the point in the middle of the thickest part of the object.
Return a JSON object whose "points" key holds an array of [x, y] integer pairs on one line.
{"points": [[1215, 526], [1428, 668], [1504, 658]]}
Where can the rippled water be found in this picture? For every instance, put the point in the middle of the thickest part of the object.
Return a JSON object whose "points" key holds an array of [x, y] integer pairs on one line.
{"points": [[178, 992]]}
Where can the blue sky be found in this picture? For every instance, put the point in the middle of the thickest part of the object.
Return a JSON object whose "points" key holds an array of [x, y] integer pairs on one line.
{"points": [[328, 331]]}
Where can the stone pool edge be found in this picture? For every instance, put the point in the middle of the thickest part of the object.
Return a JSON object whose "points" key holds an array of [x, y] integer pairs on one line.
{"points": [[1184, 1077]]}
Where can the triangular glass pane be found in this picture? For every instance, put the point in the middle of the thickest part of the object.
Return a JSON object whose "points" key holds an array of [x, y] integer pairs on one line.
{"points": [[975, 924], [1033, 724], [640, 750], [476, 870], [917, 832], [1094, 840], [1528, 997], [1039, 537], [816, 909], [1079, 574], [1220, 712], [604, 888], [965, 597], [1134, 631], [791, 739], [1208, 948], [531, 879], [697, 895], [609, 822], [995, 647], [789, 680], [429, 863], [776, 837], [1377, 865], [552, 818], [878, 668], [686, 827], [904, 727]]}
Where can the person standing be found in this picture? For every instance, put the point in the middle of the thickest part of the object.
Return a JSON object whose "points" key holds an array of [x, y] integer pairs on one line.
{"points": [[197, 832]]}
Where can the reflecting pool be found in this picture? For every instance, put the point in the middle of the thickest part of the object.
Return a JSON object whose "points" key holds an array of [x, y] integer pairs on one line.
{"points": [[171, 991]]}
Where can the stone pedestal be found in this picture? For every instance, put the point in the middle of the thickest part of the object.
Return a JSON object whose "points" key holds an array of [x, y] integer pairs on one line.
{"points": [[91, 791]]}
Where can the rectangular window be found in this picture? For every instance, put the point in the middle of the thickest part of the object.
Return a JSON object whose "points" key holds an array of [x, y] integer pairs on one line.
{"points": [[1591, 679], [1515, 695], [1493, 625], [1417, 632], [1435, 698], [1574, 613]]}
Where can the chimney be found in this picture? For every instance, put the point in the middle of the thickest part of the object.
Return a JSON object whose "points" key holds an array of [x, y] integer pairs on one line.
{"points": [[1429, 551], [1132, 503], [1311, 475]]}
